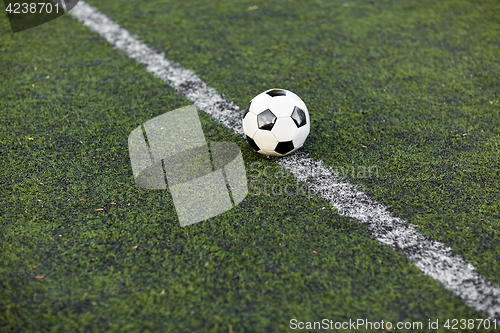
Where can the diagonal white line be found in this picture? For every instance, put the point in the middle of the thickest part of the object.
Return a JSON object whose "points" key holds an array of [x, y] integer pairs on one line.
{"points": [[64, 5], [431, 257]]}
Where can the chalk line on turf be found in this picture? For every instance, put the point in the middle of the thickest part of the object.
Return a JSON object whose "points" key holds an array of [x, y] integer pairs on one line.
{"points": [[430, 256]]}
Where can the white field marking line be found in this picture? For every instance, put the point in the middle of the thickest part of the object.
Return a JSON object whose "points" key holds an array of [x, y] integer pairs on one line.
{"points": [[430, 256]]}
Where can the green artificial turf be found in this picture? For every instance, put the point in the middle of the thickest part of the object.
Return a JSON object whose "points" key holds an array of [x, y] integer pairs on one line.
{"points": [[410, 89], [84, 249]]}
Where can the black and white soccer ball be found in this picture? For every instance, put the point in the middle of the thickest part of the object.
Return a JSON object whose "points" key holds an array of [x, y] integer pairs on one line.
{"points": [[276, 122]]}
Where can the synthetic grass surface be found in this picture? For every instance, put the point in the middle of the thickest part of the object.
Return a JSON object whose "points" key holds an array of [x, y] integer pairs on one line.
{"points": [[130, 266], [407, 88]]}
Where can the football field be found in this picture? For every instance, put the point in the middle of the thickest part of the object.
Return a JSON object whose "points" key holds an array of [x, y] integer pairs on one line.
{"points": [[387, 219]]}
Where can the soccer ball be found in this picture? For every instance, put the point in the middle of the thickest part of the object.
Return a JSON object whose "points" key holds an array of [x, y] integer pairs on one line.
{"points": [[276, 122]]}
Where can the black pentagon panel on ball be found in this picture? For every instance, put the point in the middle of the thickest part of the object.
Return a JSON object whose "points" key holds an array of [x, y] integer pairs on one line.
{"points": [[252, 143], [266, 120], [276, 92], [247, 109], [284, 147], [299, 117]]}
